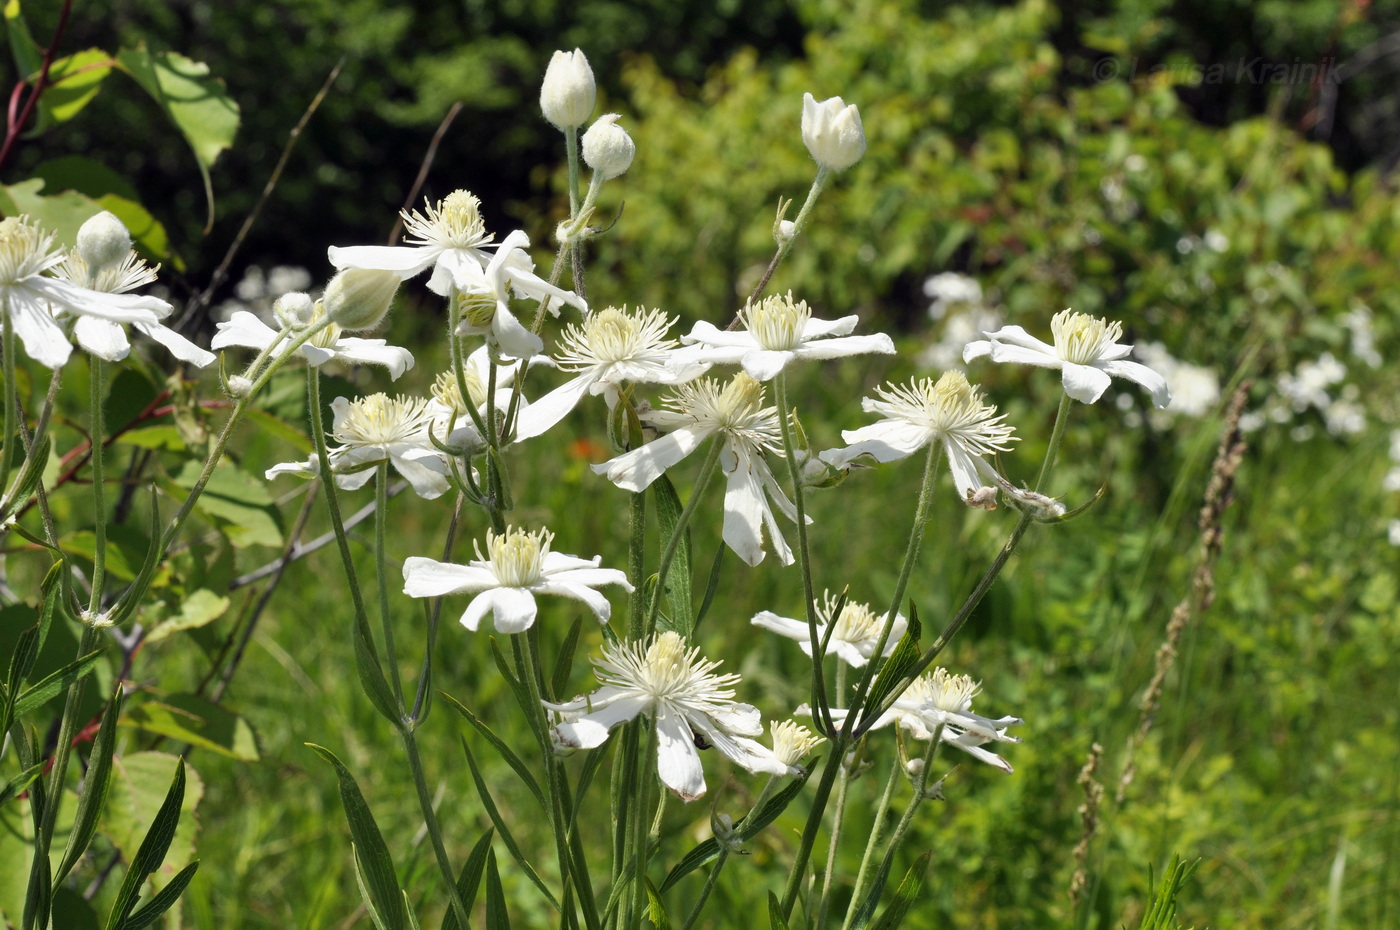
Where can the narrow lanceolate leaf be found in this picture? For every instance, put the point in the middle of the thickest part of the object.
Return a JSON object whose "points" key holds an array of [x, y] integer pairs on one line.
{"points": [[680, 612], [163, 900], [20, 783], [905, 658], [503, 750], [30, 642], [371, 674], [564, 665], [491, 811], [152, 851], [904, 896], [497, 917], [711, 585], [469, 880], [744, 830], [656, 910], [90, 802], [27, 481], [54, 684], [776, 920], [381, 881]]}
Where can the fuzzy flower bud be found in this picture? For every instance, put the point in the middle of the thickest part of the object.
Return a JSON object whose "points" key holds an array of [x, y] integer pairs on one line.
{"points": [[607, 148], [832, 132], [568, 93], [103, 240], [358, 298], [294, 310]]}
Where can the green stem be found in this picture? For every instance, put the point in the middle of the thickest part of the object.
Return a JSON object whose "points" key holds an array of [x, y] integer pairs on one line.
{"points": [[7, 347], [571, 147], [797, 226], [636, 564], [381, 575], [880, 810], [99, 490], [425, 804], [838, 815], [831, 767], [639, 831], [1057, 435], [673, 544]]}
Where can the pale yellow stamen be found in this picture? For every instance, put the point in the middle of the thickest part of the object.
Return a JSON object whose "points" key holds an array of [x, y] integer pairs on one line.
{"points": [[380, 419], [518, 556], [777, 323], [1081, 338], [23, 249], [455, 222]]}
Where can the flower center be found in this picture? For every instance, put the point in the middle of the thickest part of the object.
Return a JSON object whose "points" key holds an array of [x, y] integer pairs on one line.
{"points": [[777, 323], [477, 308], [379, 419], [518, 557], [1083, 339], [856, 623], [448, 394], [792, 741], [740, 402], [328, 337], [454, 223], [952, 693], [24, 249]]}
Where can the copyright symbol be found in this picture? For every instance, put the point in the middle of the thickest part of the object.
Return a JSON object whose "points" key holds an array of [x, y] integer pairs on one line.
{"points": [[1106, 69]]}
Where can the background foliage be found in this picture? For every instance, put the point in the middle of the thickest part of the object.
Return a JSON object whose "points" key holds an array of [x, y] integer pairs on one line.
{"points": [[1241, 224]]}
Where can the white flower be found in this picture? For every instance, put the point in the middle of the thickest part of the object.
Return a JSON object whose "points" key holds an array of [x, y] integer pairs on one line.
{"points": [[518, 566], [951, 289], [607, 148], [245, 329], [950, 411], [854, 638], [1086, 351], [832, 132], [31, 299], [375, 429], [568, 93], [792, 741], [939, 699], [673, 685], [105, 338], [452, 424], [779, 331], [484, 297], [451, 239], [747, 428], [609, 349]]}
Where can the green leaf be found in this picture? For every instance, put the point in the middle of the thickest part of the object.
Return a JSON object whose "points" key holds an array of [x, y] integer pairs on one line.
{"points": [[151, 853], [904, 896], [371, 853], [196, 103], [162, 436], [564, 663], [107, 190], [135, 797], [776, 920], [51, 686], [28, 54], [503, 750], [198, 609], [680, 614], [656, 910], [237, 502], [192, 719], [744, 830], [27, 480], [162, 900], [469, 880], [711, 585], [94, 796], [491, 811], [63, 211], [21, 782], [73, 81], [904, 658], [497, 916], [371, 675]]}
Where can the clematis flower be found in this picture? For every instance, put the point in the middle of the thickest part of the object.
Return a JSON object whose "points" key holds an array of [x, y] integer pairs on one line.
{"points": [[675, 687], [607, 350], [779, 331], [792, 741], [950, 412], [518, 565], [452, 424], [1086, 351], [485, 298], [832, 132], [939, 699], [736, 413], [376, 429], [245, 329], [854, 638], [30, 299]]}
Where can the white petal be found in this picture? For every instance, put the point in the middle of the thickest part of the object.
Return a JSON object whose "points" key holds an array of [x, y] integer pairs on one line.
{"points": [[596, 602], [243, 329], [406, 261], [513, 339], [552, 407], [369, 352], [103, 338], [978, 349], [784, 626], [819, 329], [744, 512], [1020, 355], [677, 762], [300, 469], [424, 577], [765, 364], [1016, 336], [514, 609], [592, 729], [847, 345], [963, 465], [1084, 383], [636, 470], [119, 308], [1144, 376], [178, 345], [44, 340]]}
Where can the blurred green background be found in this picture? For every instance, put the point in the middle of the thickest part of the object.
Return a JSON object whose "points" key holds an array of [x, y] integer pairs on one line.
{"points": [[1023, 158]]}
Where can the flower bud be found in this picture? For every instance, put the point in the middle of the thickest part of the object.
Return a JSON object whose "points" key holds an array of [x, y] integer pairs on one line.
{"points": [[294, 310], [568, 93], [102, 241], [607, 148], [832, 132], [357, 298]]}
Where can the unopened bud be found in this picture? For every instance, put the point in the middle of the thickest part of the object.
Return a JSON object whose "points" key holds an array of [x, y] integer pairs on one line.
{"points": [[832, 132], [784, 230], [358, 298], [607, 148], [569, 92], [295, 310], [102, 241], [239, 386], [983, 498]]}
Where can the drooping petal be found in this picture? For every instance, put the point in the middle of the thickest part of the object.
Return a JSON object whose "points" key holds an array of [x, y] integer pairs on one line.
{"points": [[765, 364], [591, 729], [1144, 376], [596, 601], [365, 351], [636, 470], [103, 338], [243, 329], [744, 511], [177, 345], [405, 261], [514, 609], [43, 339], [677, 762], [424, 577], [878, 343], [1084, 383], [552, 407], [1020, 355]]}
